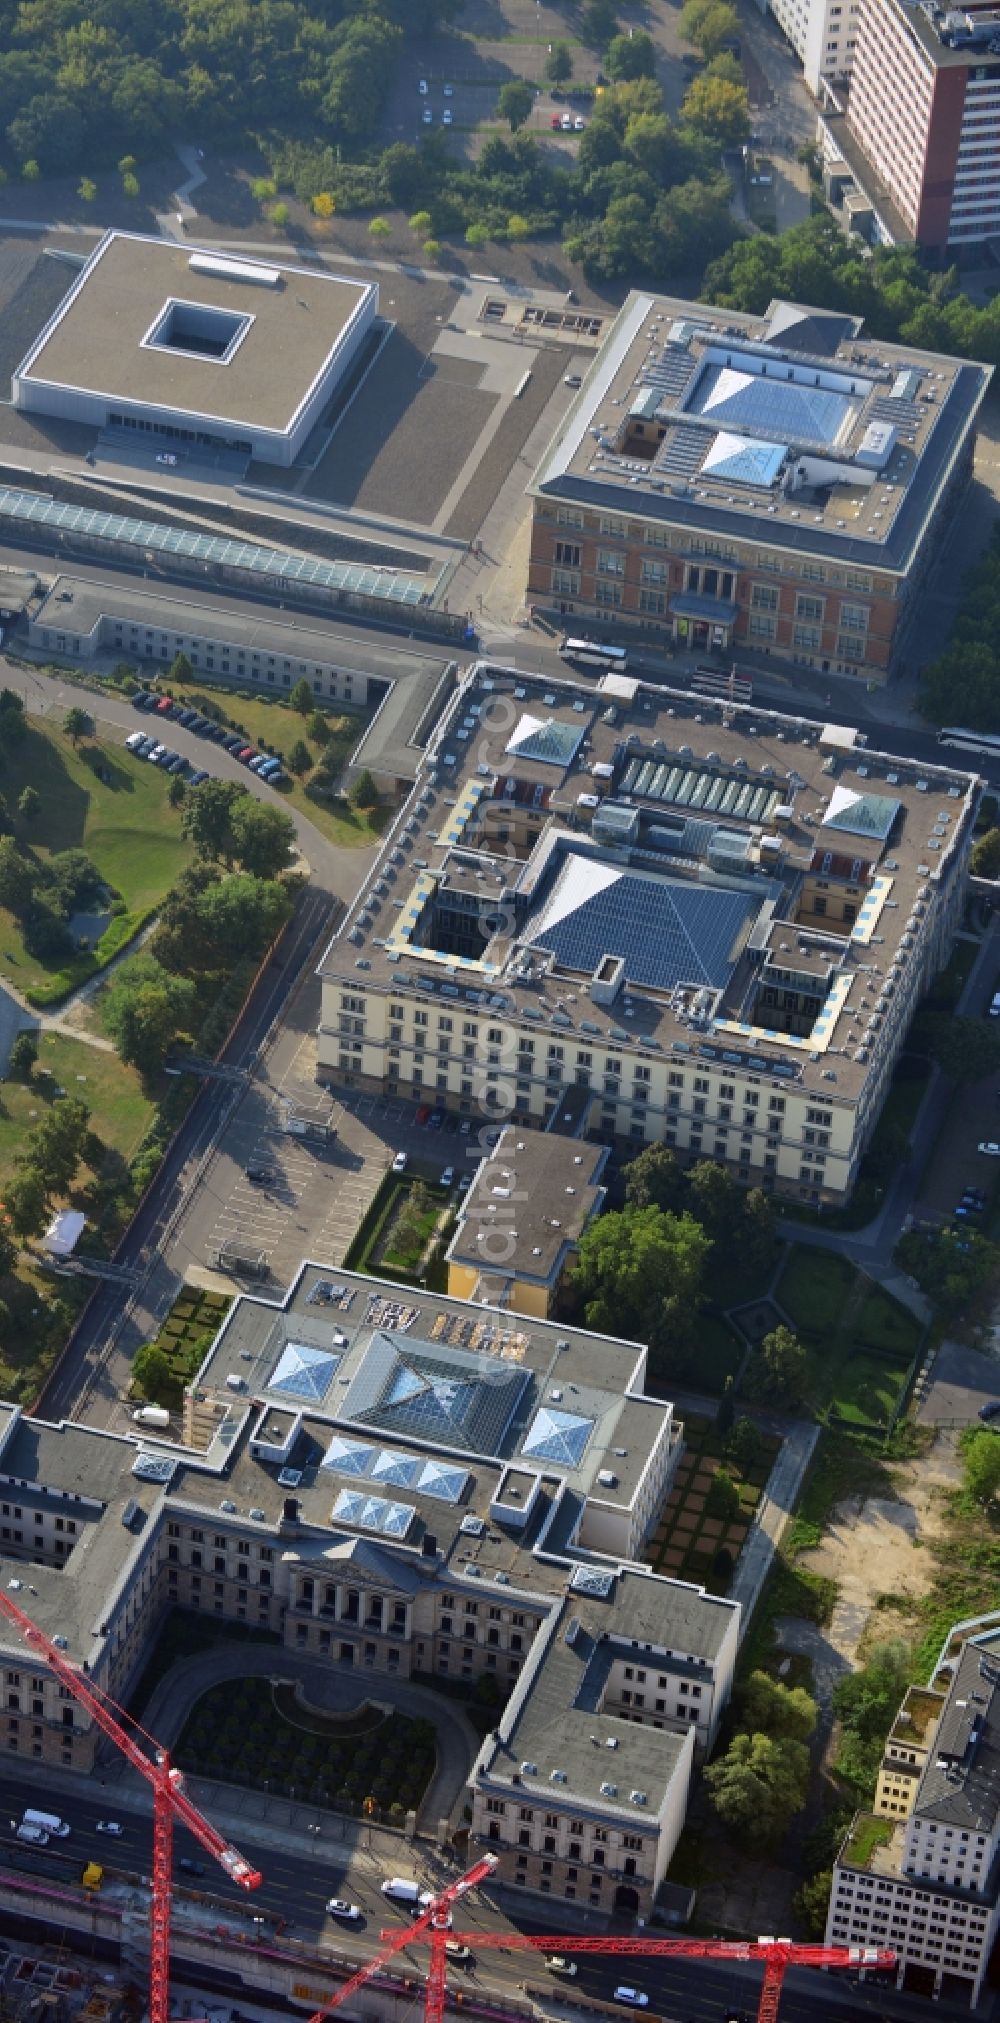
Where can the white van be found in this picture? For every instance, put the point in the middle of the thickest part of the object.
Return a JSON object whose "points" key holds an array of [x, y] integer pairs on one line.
{"points": [[49, 1822], [401, 1890], [35, 1834]]}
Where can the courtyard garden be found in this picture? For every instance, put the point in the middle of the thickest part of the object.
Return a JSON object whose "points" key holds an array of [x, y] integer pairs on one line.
{"points": [[699, 1534], [395, 1239], [254, 1732], [162, 1367]]}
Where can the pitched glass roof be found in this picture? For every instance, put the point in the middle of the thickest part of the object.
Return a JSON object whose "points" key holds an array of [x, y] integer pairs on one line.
{"points": [[89, 524], [858, 814], [772, 406], [744, 460], [555, 744], [387, 1465], [373, 1513], [557, 1436], [667, 932], [301, 1372], [444, 1396]]}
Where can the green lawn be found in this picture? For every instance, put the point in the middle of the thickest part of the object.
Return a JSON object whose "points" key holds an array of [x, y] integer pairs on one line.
{"points": [[123, 821], [859, 1342], [120, 1112], [720, 1352]]}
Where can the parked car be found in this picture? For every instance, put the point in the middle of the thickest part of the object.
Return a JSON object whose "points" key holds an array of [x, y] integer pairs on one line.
{"points": [[187, 716], [164, 705], [435, 1120], [557, 1963], [991, 1410], [178, 764], [422, 87], [573, 379], [134, 739], [422, 1114], [633, 1997], [449, 90], [142, 699], [995, 1005], [246, 755], [579, 123], [446, 116], [400, 1163], [428, 116], [555, 122], [566, 122], [258, 1173], [448, 1177], [230, 743], [197, 778], [990, 1148]]}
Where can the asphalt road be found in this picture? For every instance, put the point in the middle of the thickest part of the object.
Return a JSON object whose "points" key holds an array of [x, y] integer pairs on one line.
{"points": [[166, 1199], [293, 1897]]}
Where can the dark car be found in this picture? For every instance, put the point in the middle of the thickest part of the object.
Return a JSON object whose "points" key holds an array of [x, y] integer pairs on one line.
{"points": [[450, 1124], [196, 778], [199, 724], [189, 1867], [435, 1120], [232, 744], [187, 716], [991, 1410], [142, 700], [259, 1174]]}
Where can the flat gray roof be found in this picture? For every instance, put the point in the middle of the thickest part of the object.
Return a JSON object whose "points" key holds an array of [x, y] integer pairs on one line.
{"points": [[540, 1188], [94, 341]]}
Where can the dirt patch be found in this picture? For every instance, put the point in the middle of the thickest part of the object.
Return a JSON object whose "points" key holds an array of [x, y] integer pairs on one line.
{"points": [[872, 1549]]}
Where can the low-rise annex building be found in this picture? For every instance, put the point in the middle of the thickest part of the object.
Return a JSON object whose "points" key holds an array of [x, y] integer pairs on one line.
{"points": [[716, 920], [401, 1484], [530, 1201]]}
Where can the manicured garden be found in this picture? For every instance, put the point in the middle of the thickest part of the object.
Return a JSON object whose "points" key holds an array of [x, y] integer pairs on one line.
{"points": [[162, 1367], [99, 799], [249, 1731], [393, 1235], [689, 1542], [860, 1343]]}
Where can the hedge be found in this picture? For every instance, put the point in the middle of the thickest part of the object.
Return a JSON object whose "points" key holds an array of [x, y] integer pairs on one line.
{"points": [[117, 935]]}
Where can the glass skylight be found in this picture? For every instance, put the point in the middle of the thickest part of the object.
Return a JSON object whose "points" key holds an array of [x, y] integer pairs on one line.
{"points": [[557, 1436], [373, 1513], [302, 1372]]}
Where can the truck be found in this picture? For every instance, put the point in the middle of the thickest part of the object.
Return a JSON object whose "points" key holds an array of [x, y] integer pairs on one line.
{"points": [[48, 1822], [152, 1415], [93, 1875], [403, 1891]]}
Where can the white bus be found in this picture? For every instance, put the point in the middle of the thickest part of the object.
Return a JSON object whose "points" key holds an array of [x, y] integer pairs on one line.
{"points": [[987, 743], [594, 653]]}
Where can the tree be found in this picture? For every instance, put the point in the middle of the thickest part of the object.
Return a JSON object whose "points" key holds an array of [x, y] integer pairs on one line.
{"points": [[279, 215], [177, 791], [239, 915], [778, 1370], [77, 724], [558, 65], [152, 1373], [715, 1199], [322, 204], [981, 1462], [363, 793], [515, 102], [726, 1410], [263, 837], [317, 729], [180, 669], [144, 1008], [13, 728], [953, 1267], [476, 235], [54, 1148], [17, 879], [967, 1050], [130, 185], [207, 818], [758, 1785], [30, 171], [598, 23], [23, 1055], [723, 1498], [766, 1707], [27, 1203], [753, 1237], [421, 223], [518, 228], [432, 251], [301, 697], [811, 1902], [865, 1703], [718, 108], [379, 228], [629, 1266], [656, 1179], [300, 758], [28, 804], [630, 56], [86, 190], [709, 24], [744, 1445], [986, 855]]}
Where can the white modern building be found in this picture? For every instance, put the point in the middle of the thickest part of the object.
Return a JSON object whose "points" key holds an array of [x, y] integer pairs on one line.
{"points": [[822, 34], [190, 347]]}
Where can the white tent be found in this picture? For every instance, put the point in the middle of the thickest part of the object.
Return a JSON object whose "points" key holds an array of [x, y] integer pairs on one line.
{"points": [[64, 1232]]}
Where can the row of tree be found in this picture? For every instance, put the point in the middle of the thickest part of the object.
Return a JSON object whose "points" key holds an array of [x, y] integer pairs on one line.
{"points": [[760, 1783], [897, 296], [226, 908], [963, 685]]}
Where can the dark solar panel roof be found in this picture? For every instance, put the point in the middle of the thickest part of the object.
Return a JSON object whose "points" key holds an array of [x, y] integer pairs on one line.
{"points": [[667, 932]]}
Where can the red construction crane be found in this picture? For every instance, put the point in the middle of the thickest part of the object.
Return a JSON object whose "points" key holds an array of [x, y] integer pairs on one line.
{"points": [[169, 1802], [434, 1924]]}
